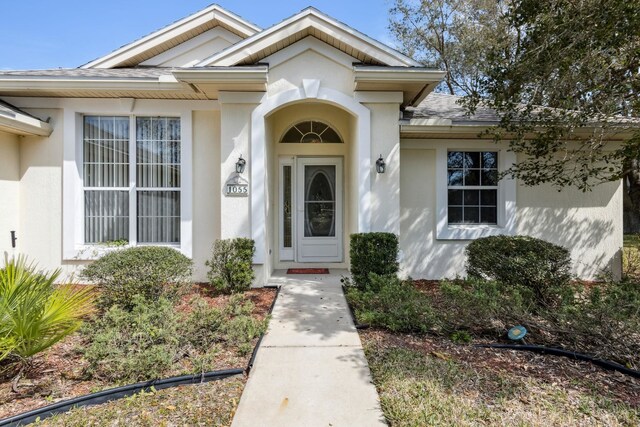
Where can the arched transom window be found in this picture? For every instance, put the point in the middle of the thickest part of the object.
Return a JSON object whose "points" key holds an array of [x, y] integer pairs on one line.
{"points": [[310, 132]]}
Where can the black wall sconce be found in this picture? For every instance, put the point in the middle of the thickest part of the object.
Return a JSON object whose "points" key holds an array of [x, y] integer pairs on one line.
{"points": [[13, 239], [381, 166], [240, 164]]}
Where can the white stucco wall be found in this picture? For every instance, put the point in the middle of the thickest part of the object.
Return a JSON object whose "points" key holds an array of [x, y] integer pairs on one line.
{"points": [[10, 192], [310, 59], [207, 188], [41, 194], [589, 224]]}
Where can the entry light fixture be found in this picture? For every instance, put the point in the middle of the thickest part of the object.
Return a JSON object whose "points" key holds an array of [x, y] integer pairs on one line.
{"points": [[240, 164], [380, 165]]}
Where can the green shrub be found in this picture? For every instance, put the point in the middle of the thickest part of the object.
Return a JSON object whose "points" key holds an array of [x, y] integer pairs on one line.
{"points": [[34, 312], [201, 329], [136, 344], [231, 264], [394, 304], [373, 253], [233, 325], [604, 320], [541, 266], [153, 272], [482, 307]]}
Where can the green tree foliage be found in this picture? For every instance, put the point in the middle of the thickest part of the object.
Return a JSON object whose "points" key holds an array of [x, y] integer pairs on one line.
{"points": [[450, 35], [34, 312], [571, 75]]}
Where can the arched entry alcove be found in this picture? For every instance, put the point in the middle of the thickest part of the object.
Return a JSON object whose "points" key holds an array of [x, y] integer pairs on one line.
{"points": [[312, 184]]}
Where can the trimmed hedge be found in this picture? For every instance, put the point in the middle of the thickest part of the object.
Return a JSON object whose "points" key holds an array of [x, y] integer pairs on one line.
{"points": [[152, 272], [373, 253], [231, 264], [541, 266]]}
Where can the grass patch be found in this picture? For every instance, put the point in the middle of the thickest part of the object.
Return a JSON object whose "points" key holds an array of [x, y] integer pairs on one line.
{"points": [[420, 385], [210, 404]]}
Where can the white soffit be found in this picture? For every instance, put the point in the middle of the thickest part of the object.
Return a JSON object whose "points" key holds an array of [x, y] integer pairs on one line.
{"points": [[168, 37], [309, 22], [415, 83]]}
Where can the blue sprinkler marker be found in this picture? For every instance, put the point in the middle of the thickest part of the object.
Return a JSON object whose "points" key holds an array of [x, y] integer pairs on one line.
{"points": [[517, 333]]}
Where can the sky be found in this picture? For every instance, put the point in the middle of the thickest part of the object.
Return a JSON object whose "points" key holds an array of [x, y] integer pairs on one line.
{"points": [[46, 34]]}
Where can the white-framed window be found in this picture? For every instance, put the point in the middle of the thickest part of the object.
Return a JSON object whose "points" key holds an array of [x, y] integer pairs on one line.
{"points": [[471, 202], [472, 187], [131, 179], [155, 202]]}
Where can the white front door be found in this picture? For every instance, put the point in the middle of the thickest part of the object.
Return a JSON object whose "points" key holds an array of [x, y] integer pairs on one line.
{"points": [[311, 214], [316, 205], [319, 210]]}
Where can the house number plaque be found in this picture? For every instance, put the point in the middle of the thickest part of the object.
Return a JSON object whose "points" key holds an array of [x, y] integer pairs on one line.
{"points": [[236, 187], [237, 190]]}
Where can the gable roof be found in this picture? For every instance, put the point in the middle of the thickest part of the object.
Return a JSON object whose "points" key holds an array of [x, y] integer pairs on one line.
{"points": [[309, 22], [14, 120], [174, 34]]}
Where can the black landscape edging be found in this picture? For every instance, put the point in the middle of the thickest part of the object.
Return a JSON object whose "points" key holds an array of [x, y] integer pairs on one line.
{"points": [[353, 314], [607, 364], [114, 394], [255, 349]]}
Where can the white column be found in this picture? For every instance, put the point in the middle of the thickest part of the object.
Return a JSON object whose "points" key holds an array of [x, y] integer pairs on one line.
{"points": [[235, 111]]}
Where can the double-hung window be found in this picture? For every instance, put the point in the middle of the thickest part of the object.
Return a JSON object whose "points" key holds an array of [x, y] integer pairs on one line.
{"points": [[131, 179], [472, 187]]}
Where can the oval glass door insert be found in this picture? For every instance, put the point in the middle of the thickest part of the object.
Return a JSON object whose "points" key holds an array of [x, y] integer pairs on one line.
{"points": [[320, 201]]}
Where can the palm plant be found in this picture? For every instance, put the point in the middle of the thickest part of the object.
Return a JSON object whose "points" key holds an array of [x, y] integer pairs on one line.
{"points": [[34, 312]]}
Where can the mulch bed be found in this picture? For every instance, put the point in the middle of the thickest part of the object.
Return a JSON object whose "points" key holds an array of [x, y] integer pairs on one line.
{"points": [[59, 373], [560, 371]]}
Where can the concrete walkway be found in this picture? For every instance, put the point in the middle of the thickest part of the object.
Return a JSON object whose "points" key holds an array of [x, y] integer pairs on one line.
{"points": [[310, 369]]}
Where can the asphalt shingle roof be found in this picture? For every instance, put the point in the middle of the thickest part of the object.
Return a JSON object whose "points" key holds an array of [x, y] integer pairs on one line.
{"points": [[444, 106], [91, 72]]}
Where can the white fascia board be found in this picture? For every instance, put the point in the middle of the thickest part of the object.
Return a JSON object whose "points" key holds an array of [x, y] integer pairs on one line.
{"points": [[371, 74], [224, 75], [373, 97], [309, 17], [169, 32], [22, 124], [93, 83], [440, 126]]}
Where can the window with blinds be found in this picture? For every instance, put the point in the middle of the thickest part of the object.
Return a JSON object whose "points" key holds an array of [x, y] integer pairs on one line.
{"points": [[131, 191]]}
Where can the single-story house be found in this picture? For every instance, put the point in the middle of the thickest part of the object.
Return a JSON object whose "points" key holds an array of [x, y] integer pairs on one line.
{"points": [[296, 136]]}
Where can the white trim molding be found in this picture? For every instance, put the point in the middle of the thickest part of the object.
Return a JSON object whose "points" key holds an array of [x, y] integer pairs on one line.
{"points": [[213, 13], [259, 159], [18, 123], [260, 44], [73, 247], [506, 223]]}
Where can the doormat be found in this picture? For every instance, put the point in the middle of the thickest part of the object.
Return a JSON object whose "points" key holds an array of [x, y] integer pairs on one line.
{"points": [[308, 271]]}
